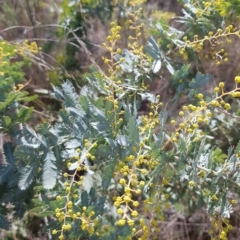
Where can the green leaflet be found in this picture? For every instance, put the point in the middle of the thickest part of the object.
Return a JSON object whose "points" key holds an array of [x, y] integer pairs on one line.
{"points": [[49, 171], [132, 131], [27, 175], [107, 174], [46, 214]]}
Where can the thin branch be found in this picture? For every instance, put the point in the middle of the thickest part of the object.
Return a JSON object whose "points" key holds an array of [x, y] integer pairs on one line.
{"points": [[40, 113], [216, 174]]}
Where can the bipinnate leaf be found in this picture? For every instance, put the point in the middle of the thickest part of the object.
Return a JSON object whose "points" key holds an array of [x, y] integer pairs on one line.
{"points": [[70, 96], [27, 175], [49, 171], [108, 174], [133, 132], [200, 80], [58, 92], [34, 137], [24, 114]]}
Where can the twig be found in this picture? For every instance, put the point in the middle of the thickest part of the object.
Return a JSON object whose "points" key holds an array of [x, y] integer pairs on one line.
{"points": [[216, 174], [229, 114], [40, 113], [31, 17]]}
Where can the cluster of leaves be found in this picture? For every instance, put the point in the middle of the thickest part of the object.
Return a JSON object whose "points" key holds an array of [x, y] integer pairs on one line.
{"points": [[12, 59], [102, 171], [206, 8]]}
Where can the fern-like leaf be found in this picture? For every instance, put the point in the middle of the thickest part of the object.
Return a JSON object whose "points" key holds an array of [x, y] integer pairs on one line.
{"points": [[49, 171], [133, 132], [27, 176], [70, 96]]}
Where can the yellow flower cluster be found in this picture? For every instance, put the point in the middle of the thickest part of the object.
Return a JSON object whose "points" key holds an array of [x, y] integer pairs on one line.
{"points": [[220, 228], [237, 79], [131, 174], [212, 42], [193, 116], [67, 214], [208, 7], [86, 217], [25, 48], [150, 121], [225, 8], [4, 52], [7, 50], [114, 82]]}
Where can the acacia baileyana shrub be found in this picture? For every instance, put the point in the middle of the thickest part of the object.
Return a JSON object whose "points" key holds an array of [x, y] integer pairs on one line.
{"points": [[102, 170]]}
